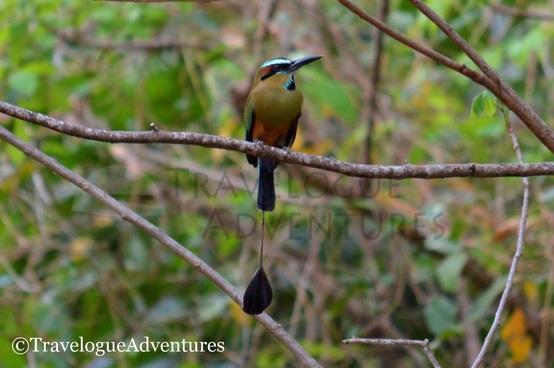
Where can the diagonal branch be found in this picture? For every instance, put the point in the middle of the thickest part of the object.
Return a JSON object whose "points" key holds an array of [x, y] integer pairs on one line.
{"points": [[424, 50], [132, 217], [494, 83], [397, 172], [488, 79]]}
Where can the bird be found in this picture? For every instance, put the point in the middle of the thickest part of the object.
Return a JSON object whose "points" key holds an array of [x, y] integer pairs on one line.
{"points": [[271, 115]]}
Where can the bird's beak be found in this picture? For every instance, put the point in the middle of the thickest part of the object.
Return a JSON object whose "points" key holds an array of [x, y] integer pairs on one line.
{"points": [[297, 64]]}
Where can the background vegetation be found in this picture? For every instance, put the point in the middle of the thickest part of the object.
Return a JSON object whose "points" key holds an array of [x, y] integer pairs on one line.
{"points": [[408, 259]]}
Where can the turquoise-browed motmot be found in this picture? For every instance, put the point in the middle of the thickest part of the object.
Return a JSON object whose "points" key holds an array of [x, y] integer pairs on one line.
{"points": [[271, 116]]}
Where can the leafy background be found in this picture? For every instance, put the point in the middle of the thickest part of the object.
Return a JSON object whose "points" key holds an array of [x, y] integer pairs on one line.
{"points": [[399, 259]]}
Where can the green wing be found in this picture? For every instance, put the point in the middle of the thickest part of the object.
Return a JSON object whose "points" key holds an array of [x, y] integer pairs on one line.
{"points": [[291, 134], [249, 119]]}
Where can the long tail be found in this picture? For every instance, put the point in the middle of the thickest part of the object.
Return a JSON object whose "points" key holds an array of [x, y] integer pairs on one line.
{"points": [[258, 294], [266, 185]]}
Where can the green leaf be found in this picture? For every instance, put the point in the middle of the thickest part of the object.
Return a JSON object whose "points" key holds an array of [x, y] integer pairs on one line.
{"points": [[23, 82], [316, 86], [440, 315], [483, 105], [449, 271], [166, 310], [531, 43], [443, 245], [329, 352]]}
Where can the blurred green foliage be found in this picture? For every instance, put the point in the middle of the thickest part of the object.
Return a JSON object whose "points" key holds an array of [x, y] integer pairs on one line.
{"points": [[385, 261]]}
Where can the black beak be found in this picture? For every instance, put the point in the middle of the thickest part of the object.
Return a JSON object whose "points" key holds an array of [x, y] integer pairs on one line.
{"points": [[297, 64]]}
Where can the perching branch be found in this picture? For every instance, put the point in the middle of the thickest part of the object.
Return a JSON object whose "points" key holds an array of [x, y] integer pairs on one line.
{"points": [[424, 345], [405, 171], [132, 217]]}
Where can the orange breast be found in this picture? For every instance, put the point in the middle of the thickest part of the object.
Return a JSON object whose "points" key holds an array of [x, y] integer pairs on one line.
{"points": [[270, 134]]}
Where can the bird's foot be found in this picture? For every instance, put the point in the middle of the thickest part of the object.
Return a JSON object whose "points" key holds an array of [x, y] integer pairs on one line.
{"points": [[154, 127]]}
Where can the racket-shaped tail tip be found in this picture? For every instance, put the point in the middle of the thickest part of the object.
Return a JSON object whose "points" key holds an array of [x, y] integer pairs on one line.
{"points": [[258, 294]]}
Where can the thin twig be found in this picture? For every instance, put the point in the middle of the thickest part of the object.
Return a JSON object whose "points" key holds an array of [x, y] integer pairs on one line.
{"points": [[423, 344], [397, 172], [132, 217], [519, 247]]}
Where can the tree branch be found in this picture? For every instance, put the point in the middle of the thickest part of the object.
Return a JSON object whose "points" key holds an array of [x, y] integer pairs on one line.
{"points": [[424, 345], [494, 83], [132, 217], [405, 171], [519, 248], [430, 53], [488, 79]]}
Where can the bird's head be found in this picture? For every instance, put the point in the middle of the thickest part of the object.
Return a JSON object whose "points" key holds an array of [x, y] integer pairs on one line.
{"points": [[282, 66]]}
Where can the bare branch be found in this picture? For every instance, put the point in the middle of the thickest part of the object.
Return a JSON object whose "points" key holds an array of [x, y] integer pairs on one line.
{"points": [[489, 79], [518, 252], [430, 53], [132, 217], [494, 83], [405, 171], [424, 345]]}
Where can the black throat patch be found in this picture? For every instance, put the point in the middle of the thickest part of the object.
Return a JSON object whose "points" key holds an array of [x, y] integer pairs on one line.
{"points": [[290, 85]]}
